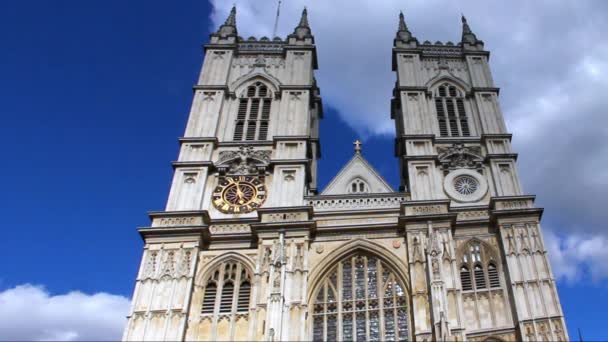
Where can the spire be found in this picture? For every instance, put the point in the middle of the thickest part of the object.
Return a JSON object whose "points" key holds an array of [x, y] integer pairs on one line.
{"points": [[228, 29], [302, 31], [403, 35], [231, 20], [467, 35], [402, 25], [304, 19]]}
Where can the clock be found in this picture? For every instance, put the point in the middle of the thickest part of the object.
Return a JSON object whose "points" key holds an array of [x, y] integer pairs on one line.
{"points": [[239, 194]]}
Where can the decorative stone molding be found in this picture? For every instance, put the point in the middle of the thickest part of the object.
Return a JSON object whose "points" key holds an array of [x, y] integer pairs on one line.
{"points": [[173, 263], [177, 221], [425, 208], [473, 215], [512, 202], [229, 229]]}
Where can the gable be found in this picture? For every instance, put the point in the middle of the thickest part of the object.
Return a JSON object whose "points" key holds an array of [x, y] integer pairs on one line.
{"points": [[356, 172]]}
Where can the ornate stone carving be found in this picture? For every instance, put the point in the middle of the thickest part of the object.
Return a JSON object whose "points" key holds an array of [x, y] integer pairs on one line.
{"points": [[460, 156], [179, 221], [151, 264], [472, 215], [244, 161], [427, 209], [229, 229]]}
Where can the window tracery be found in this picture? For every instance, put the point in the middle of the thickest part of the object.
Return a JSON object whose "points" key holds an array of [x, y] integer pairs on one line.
{"points": [[451, 113], [227, 291], [360, 299], [253, 113], [478, 270]]}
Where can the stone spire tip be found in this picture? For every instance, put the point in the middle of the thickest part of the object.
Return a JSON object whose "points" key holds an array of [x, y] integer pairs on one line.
{"points": [[231, 20], [304, 18]]}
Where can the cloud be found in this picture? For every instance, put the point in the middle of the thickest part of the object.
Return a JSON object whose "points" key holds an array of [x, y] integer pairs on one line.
{"points": [[576, 255], [550, 60], [29, 312]]}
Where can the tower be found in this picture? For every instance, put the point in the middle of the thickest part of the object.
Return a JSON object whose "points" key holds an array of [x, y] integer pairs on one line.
{"points": [[247, 248], [249, 149], [488, 263]]}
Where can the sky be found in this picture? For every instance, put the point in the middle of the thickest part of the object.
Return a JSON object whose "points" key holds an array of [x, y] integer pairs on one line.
{"points": [[94, 95]]}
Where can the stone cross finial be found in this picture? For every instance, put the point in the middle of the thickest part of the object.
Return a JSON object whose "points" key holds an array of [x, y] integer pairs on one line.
{"points": [[357, 144]]}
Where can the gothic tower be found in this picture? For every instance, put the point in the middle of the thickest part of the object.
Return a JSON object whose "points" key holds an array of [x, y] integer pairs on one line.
{"points": [[248, 249], [488, 262]]}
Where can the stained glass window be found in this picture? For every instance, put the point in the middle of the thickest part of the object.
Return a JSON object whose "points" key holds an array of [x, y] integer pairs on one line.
{"points": [[357, 295]]}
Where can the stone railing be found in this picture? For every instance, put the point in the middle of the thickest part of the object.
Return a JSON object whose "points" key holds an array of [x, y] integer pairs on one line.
{"points": [[331, 203]]}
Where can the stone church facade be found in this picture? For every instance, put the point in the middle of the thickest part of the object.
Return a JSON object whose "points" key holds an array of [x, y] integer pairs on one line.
{"points": [[248, 248]]}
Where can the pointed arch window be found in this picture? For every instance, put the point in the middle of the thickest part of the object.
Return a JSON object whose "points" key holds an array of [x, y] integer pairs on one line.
{"points": [[360, 299], [227, 291], [481, 262], [451, 114], [358, 186], [253, 113]]}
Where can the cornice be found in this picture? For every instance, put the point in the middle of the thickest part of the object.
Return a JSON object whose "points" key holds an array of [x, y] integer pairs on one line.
{"points": [[475, 90], [485, 137], [177, 164]]}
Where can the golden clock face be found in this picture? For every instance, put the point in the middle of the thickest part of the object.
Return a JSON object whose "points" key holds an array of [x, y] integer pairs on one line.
{"points": [[239, 194]]}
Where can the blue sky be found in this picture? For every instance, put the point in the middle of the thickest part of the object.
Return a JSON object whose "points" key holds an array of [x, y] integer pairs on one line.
{"points": [[94, 97]]}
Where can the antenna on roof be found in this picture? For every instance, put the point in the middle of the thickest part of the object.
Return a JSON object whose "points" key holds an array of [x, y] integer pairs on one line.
{"points": [[276, 20]]}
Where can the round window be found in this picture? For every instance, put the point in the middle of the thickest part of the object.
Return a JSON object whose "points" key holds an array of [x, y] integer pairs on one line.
{"points": [[465, 185]]}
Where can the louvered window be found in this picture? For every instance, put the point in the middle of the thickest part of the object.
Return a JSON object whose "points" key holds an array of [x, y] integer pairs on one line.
{"points": [[243, 299], [226, 300], [493, 276], [253, 113], [230, 284], [480, 278], [451, 114], [209, 298], [482, 262], [465, 279]]}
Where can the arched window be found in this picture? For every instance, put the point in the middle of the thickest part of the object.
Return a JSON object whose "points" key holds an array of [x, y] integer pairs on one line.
{"points": [[253, 113], [476, 257], [465, 278], [232, 283], [361, 299], [358, 186], [451, 114], [493, 275]]}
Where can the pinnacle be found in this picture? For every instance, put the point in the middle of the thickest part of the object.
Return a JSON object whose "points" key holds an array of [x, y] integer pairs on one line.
{"points": [[231, 20], [402, 25], [304, 19]]}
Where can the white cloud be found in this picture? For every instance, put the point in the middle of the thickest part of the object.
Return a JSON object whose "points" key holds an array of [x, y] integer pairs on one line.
{"points": [[576, 255], [30, 312], [548, 58]]}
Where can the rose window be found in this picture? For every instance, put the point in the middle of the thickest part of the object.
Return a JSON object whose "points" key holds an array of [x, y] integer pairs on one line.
{"points": [[465, 185]]}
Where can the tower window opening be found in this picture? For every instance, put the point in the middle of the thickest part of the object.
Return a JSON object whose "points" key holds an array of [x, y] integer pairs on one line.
{"points": [[228, 291], [253, 114], [449, 100]]}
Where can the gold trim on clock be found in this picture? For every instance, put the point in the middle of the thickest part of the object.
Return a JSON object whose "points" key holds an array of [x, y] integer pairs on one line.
{"points": [[239, 194]]}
